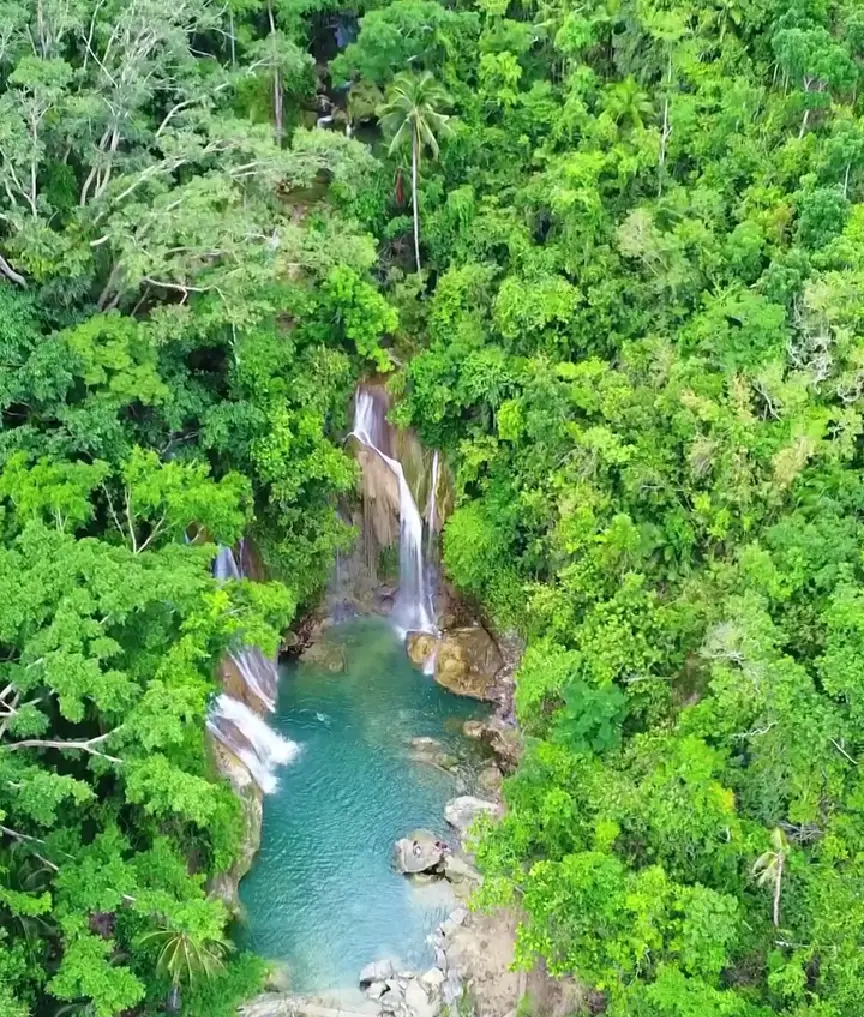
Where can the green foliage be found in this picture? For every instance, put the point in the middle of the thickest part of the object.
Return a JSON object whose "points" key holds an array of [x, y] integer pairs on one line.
{"points": [[186, 298], [641, 349]]}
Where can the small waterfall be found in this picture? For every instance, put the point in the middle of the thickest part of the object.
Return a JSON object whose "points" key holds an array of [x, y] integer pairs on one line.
{"points": [[232, 721], [413, 608], [260, 675], [248, 737], [225, 565]]}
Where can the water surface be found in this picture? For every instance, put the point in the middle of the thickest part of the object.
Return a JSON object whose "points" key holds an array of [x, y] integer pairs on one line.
{"points": [[322, 898]]}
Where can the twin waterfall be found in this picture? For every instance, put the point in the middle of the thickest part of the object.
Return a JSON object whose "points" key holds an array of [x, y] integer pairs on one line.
{"points": [[249, 679]]}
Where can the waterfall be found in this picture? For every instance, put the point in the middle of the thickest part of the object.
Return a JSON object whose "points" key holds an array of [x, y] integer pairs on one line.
{"points": [[260, 675], [248, 737], [413, 607], [232, 721], [225, 565]]}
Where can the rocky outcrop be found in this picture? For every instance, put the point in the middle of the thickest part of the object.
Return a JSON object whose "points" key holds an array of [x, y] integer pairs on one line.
{"points": [[377, 971], [503, 739], [420, 851], [225, 885], [420, 647], [461, 812], [467, 662], [490, 779], [461, 873]]}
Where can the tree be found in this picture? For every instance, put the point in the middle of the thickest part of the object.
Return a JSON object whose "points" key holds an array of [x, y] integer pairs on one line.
{"points": [[768, 869], [412, 115]]}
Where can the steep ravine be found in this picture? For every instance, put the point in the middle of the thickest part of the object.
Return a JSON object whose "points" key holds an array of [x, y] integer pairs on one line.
{"points": [[357, 746]]}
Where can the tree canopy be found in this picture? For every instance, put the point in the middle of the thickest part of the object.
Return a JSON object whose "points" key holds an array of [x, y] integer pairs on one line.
{"points": [[636, 337]]}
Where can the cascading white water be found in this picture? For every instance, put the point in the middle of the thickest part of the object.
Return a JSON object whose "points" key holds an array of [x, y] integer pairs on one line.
{"points": [[225, 565], [259, 674], [233, 723], [247, 736], [413, 607]]}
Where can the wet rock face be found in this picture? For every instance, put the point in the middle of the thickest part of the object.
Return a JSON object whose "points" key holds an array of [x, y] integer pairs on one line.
{"points": [[225, 886], [420, 646], [467, 662]]}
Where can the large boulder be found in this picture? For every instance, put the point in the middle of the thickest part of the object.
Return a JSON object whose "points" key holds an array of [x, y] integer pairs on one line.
{"points": [[490, 779], [377, 971], [461, 812], [502, 738], [420, 851], [467, 662]]}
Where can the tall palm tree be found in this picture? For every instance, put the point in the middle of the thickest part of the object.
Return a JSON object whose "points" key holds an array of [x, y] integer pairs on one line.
{"points": [[768, 868], [411, 112], [185, 956]]}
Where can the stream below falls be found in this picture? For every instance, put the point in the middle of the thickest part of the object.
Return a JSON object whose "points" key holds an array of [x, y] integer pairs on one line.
{"points": [[322, 899]]}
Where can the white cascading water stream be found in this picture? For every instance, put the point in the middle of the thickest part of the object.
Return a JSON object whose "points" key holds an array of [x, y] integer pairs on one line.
{"points": [[247, 736], [242, 731], [413, 608]]}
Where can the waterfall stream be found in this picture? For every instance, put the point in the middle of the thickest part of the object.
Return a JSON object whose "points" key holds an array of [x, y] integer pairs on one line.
{"points": [[235, 723], [413, 607]]}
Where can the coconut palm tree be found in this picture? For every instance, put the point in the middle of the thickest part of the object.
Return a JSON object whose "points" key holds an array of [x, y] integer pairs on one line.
{"points": [[768, 867], [185, 957], [412, 113]]}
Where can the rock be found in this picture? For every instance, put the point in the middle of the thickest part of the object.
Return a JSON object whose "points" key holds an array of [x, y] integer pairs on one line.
{"points": [[420, 851], [505, 741], [473, 729], [432, 752], [415, 995], [467, 662], [461, 812], [278, 979], [458, 870], [391, 1001], [502, 738], [489, 779], [432, 980], [235, 685], [376, 990], [420, 646], [422, 879], [377, 971], [458, 916], [325, 655], [225, 886]]}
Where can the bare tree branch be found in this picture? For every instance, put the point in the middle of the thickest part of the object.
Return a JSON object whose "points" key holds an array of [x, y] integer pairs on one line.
{"points": [[10, 272], [88, 745]]}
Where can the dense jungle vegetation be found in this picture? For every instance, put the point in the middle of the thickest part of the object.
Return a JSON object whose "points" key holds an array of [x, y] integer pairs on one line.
{"points": [[612, 257]]}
